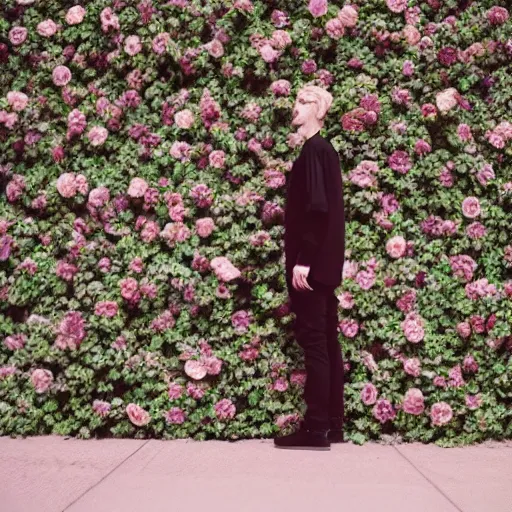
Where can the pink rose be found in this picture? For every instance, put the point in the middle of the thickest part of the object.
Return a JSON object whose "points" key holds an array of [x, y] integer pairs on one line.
{"points": [[396, 5], [464, 329], [414, 401], [471, 207], [346, 300], [76, 123], [429, 111], [469, 364], [137, 187], [369, 394], [66, 270], [364, 174], [447, 99], [335, 29], [476, 230], [413, 327], [281, 384], [464, 132], [224, 409], [215, 48], [66, 184], [348, 16], [383, 410], [175, 415], [441, 413], [224, 269], [396, 246], [17, 100], [107, 308], [205, 227], [412, 34], [101, 408], [241, 320], [71, 331], [150, 231], [279, 88], [175, 232], [98, 196], [497, 15], [349, 327], [408, 68], [5, 371], [75, 15], [473, 401], [400, 161], [132, 45], [46, 28], [15, 341], [8, 118], [129, 288], [41, 379], [317, 7], [97, 135], [61, 76], [274, 178], [447, 56], [496, 140], [18, 35], [195, 391], [217, 159], [184, 118], [175, 390], [138, 416], [195, 369], [412, 366], [109, 20], [354, 120], [280, 39], [159, 44], [504, 130]]}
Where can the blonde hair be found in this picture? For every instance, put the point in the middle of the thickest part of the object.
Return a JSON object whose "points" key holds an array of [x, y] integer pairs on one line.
{"points": [[320, 96]]}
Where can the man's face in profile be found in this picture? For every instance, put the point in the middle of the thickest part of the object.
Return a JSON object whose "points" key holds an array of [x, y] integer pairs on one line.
{"points": [[303, 110]]}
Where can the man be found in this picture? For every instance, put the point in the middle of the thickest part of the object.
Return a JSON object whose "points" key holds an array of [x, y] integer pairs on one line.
{"points": [[314, 253]]}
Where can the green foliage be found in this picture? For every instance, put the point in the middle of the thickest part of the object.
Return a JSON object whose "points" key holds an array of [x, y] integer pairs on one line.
{"points": [[106, 293]]}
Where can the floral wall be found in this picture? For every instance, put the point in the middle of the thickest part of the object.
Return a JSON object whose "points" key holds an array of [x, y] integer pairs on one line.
{"points": [[144, 152]]}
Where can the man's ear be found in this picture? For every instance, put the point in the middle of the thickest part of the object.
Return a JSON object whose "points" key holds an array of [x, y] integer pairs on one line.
{"points": [[321, 112]]}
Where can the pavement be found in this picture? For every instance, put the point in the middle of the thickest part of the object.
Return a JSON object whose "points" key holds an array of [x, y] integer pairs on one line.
{"points": [[55, 473]]}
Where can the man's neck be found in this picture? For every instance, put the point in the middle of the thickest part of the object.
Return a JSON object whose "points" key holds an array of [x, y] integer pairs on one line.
{"points": [[307, 133]]}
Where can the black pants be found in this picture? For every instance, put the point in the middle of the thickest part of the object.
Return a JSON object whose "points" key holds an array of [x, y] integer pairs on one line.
{"points": [[316, 332]]}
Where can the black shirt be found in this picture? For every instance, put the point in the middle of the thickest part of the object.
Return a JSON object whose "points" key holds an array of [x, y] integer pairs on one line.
{"points": [[314, 213]]}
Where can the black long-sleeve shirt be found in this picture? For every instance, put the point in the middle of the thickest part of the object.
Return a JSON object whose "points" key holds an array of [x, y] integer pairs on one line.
{"points": [[314, 213]]}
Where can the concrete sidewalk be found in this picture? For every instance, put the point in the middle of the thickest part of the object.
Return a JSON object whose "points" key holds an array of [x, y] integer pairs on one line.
{"points": [[53, 473]]}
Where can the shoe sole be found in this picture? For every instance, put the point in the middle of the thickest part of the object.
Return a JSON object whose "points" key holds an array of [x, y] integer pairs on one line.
{"points": [[316, 448]]}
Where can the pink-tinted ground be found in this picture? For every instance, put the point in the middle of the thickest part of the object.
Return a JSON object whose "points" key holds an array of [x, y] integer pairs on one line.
{"points": [[52, 473]]}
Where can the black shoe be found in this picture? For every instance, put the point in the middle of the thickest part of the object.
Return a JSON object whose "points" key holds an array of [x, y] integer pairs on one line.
{"points": [[304, 439], [336, 429], [336, 436]]}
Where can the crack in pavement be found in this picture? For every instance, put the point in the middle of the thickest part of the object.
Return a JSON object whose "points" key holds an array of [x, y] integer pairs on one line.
{"points": [[428, 480], [105, 476]]}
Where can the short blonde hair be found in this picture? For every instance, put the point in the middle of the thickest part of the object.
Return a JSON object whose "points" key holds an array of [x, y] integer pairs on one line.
{"points": [[318, 95]]}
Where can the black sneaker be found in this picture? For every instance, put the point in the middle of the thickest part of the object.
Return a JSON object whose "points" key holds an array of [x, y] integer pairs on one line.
{"points": [[336, 436], [336, 429], [304, 439]]}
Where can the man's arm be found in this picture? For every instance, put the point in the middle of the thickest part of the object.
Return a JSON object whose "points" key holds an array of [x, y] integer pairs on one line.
{"points": [[317, 209]]}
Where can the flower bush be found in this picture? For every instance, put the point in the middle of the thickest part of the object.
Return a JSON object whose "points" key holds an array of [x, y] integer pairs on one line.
{"points": [[145, 149]]}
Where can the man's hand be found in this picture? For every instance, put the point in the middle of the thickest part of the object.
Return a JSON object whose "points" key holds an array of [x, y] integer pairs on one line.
{"points": [[300, 275]]}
